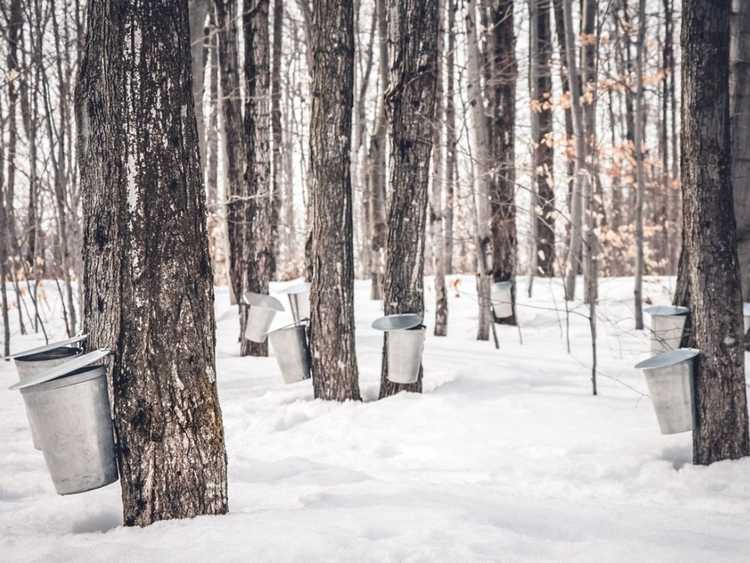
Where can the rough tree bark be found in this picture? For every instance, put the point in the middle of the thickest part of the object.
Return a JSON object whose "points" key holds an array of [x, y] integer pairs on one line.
{"points": [[257, 134], [277, 201], [148, 291], [334, 359], [543, 163], [450, 137], [739, 100], [410, 105], [721, 426], [504, 73]]}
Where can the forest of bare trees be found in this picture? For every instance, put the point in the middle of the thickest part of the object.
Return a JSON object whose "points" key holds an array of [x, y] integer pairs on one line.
{"points": [[151, 152]]}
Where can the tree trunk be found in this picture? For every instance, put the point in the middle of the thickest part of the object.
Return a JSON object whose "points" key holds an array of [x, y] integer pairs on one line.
{"points": [[721, 426], [581, 178], [450, 138], [277, 200], [234, 143], [197, 11], [739, 100], [480, 149], [3, 243], [334, 360], [410, 104], [257, 135], [504, 73], [639, 142], [378, 163], [436, 204], [148, 291], [543, 163]]}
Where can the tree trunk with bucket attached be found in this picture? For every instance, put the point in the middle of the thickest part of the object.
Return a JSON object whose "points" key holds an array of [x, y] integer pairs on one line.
{"points": [[709, 241], [410, 104], [257, 127], [148, 288], [334, 359], [504, 72]]}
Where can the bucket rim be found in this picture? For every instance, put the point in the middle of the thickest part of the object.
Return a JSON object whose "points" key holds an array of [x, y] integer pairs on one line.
{"points": [[63, 369], [80, 375], [401, 321], [303, 287], [64, 352], [668, 359], [503, 284], [666, 311], [47, 347], [263, 301], [294, 326]]}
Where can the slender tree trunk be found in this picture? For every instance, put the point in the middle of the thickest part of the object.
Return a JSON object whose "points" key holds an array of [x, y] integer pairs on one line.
{"points": [[334, 360], [450, 138], [436, 204], [639, 142], [581, 178], [721, 429], [410, 103], [3, 242], [378, 162], [234, 143], [148, 291], [198, 10], [257, 135], [277, 200]]}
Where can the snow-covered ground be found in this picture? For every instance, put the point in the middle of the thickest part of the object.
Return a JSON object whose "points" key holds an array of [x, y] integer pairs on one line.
{"points": [[505, 457]]}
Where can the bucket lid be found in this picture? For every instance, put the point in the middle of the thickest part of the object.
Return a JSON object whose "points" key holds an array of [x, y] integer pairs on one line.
{"points": [[666, 311], [63, 369], [397, 322], [264, 301], [668, 359], [48, 347], [303, 287]]}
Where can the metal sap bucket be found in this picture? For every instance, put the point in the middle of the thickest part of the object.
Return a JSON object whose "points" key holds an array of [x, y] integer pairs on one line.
{"points": [[667, 324], [69, 406], [746, 315], [263, 309], [670, 385], [405, 336], [502, 299], [299, 301], [31, 363], [292, 352]]}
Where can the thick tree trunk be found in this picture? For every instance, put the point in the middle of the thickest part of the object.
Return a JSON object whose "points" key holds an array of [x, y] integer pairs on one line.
{"points": [[504, 73], [148, 291], [334, 360], [436, 204], [739, 92], [721, 429], [543, 159], [410, 104], [257, 127]]}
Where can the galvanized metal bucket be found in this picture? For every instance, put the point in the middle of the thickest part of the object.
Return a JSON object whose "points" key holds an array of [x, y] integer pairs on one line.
{"points": [[263, 309], [299, 301], [502, 299], [31, 363], [669, 378], [292, 352], [405, 336], [69, 406], [667, 325], [746, 315]]}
